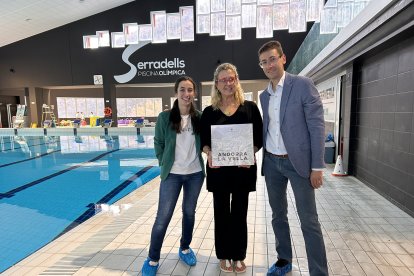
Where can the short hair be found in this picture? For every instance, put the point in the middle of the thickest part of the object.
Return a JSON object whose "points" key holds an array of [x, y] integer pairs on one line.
{"points": [[273, 44], [216, 95]]}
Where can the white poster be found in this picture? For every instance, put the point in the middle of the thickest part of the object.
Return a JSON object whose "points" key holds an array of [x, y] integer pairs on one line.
{"points": [[249, 16], [264, 25], [187, 23], [232, 145], [173, 26], [131, 33], [104, 39], [218, 24], [159, 26], [233, 27]]}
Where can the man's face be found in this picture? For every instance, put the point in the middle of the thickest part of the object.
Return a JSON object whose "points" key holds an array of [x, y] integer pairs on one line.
{"points": [[272, 64]]}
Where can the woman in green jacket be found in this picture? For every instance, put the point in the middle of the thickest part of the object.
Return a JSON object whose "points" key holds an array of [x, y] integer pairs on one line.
{"points": [[177, 146]]}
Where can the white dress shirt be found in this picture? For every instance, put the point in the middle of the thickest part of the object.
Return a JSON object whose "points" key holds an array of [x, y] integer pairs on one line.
{"points": [[274, 140]]}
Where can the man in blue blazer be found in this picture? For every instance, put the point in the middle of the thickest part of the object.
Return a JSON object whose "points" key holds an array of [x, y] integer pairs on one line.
{"points": [[293, 150]]}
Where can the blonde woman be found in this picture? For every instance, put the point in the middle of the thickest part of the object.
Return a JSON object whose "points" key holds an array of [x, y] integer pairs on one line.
{"points": [[230, 185]]}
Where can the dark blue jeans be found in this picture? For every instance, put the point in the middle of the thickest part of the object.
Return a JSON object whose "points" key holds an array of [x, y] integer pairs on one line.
{"points": [[277, 172], [170, 189]]}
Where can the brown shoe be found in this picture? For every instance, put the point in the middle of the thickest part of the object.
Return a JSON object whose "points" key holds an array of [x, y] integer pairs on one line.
{"points": [[226, 266], [239, 267]]}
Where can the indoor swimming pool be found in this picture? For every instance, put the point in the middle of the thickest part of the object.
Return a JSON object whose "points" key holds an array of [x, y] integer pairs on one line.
{"points": [[50, 184]]}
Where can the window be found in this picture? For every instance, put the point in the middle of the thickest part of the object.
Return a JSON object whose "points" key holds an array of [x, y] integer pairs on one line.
{"points": [[248, 96], [138, 107], [205, 101], [67, 107]]}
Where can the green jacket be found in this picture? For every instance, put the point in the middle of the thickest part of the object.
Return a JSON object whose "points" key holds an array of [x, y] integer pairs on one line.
{"points": [[164, 144]]}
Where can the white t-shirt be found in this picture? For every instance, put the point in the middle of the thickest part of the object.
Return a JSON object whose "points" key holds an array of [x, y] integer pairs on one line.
{"points": [[186, 159]]}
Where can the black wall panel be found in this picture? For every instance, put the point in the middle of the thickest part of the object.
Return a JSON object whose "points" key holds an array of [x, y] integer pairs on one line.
{"points": [[383, 132], [57, 57]]}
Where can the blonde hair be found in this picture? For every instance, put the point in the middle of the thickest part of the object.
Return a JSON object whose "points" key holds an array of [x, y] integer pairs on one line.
{"points": [[215, 93]]}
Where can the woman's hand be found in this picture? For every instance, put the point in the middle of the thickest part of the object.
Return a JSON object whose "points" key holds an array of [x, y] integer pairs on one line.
{"points": [[210, 160], [255, 149]]}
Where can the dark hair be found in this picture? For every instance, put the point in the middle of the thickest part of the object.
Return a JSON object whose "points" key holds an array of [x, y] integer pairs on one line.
{"points": [[175, 117], [273, 44]]}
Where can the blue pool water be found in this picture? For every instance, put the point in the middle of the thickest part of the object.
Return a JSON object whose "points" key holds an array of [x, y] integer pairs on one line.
{"points": [[48, 185]]}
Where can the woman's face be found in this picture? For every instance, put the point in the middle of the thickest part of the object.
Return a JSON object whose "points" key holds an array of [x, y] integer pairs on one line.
{"points": [[185, 93], [226, 82]]}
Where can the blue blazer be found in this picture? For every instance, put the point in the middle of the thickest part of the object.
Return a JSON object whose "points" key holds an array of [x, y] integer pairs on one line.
{"points": [[302, 123]]}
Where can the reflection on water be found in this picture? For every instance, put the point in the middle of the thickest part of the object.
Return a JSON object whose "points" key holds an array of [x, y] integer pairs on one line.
{"points": [[23, 144], [78, 139], [50, 184]]}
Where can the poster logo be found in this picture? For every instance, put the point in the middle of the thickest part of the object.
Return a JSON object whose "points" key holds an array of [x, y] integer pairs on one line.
{"points": [[166, 67]]}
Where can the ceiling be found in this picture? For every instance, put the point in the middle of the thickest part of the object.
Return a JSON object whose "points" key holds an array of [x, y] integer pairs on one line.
{"points": [[20, 19]]}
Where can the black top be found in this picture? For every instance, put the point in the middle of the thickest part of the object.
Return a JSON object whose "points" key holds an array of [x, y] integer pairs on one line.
{"points": [[232, 178]]}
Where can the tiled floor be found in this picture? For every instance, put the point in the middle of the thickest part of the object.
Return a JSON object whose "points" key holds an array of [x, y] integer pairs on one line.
{"points": [[364, 235]]}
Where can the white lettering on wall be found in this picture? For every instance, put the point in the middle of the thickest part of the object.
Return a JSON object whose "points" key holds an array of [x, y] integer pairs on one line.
{"points": [[166, 67]]}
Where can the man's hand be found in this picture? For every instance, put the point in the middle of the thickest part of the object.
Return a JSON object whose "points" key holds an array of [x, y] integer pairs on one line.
{"points": [[316, 179]]}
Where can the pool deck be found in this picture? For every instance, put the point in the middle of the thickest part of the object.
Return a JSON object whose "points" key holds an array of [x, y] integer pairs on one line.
{"points": [[364, 234]]}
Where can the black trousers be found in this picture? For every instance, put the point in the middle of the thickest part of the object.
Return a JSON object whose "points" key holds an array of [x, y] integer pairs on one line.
{"points": [[230, 224]]}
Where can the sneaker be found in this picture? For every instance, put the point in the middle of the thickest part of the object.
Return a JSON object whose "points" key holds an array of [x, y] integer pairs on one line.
{"points": [[149, 270], [280, 268], [188, 258]]}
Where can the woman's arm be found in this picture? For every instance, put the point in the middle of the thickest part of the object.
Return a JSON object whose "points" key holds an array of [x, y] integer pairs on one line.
{"points": [[205, 135], [159, 138]]}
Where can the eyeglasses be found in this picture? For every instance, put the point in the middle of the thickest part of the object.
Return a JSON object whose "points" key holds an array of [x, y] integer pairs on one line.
{"points": [[229, 80], [272, 60]]}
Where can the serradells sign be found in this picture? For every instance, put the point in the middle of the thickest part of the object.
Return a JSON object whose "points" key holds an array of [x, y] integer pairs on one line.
{"points": [[166, 67], [161, 68]]}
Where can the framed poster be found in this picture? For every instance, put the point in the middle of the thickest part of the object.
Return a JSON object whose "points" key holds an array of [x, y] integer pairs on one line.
{"points": [[104, 39], [281, 16], [90, 41], [173, 26], [159, 26], [233, 27], [203, 6], [218, 5], [187, 23], [249, 16], [297, 16], [233, 7], [218, 24], [232, 145], [145, 32], [117, 39], [203, 24], [131, 33]]}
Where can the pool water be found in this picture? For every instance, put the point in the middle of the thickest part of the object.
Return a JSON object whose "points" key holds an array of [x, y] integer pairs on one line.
{"points": [[50, 184]]}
